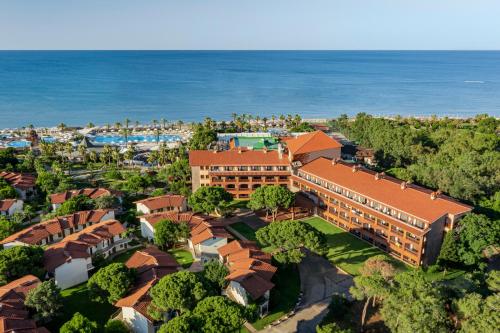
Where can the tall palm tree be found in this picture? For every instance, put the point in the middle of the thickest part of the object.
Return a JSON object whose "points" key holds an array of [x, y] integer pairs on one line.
{"points": [[82, 150], [62, 126]]}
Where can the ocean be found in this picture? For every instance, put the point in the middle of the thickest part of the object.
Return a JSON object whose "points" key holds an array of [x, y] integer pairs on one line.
{"points": [[45, 88]]}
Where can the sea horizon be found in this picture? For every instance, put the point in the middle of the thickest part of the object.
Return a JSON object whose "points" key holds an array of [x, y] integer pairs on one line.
{"points": [[75, 87]]}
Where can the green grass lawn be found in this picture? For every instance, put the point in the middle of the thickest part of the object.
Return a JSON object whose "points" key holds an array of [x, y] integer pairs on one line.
{"points": [[77, 299], [284, 295], [183, 257], [349, 252], [245, 230], [239, 203], [346, 250]]}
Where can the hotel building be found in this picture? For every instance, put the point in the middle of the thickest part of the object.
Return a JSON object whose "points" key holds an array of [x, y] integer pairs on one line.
{"points": [[405, 220]]}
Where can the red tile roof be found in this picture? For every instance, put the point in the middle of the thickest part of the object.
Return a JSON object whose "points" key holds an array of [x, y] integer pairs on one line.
{"points": [[77, 244], [310, 142], [249, 266], [34, 234], [236, 157], [92, 193], [190, 218], [163, 201], [151, 264], [389, 191], [19, 180], [208, 230], [14, 317], [6, 204]]}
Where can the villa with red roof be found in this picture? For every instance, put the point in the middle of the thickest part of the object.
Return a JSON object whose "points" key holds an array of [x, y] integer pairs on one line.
{"points": [[14, 316], [10, 206], [58, 199], [149, 221], [23, 183], [54, 230], [70, 260], [206, 238], [310, 146], [250, 273], [151, 265], [162, 203]]}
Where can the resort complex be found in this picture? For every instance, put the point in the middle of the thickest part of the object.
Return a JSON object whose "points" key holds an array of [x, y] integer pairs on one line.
{"points": [[257, 230]]}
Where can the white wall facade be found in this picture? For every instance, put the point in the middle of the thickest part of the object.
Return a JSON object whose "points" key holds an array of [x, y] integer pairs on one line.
{"points": [[137, 322], [147, 230], [72, 273]]}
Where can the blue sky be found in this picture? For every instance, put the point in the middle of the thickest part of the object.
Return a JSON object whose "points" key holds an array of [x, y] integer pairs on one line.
{"points": [[249, 24]]}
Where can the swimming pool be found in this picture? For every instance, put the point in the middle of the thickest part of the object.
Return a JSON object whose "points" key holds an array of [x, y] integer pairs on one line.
{"points": [[18, 144], [134, 138], [48, 139]]}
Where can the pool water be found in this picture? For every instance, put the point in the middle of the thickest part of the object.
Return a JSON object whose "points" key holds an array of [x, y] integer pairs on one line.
{"points": [[135, 138], [19, 144]]}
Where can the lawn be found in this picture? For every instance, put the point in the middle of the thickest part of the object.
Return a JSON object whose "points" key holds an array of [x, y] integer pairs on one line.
{"points": [[183, 257], [283, 296], [239, 203], [77, 299], [349, 252], [346, 250], [244, 230]]}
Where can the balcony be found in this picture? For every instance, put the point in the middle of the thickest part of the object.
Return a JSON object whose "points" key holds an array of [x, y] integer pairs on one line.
{"points": [[397, 231], [344, 217], [411, 249]]}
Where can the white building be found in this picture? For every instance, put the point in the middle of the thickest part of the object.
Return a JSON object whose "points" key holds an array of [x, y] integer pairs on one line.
{"points": [[10, 206], [151, 265], [163, 203], [69, 261], [206, 239], [149, 221]]}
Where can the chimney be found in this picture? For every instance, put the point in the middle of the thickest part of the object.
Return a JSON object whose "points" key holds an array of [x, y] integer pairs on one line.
{"points": [[265, 150], [215, 151], [433, 196], [280, 151], [377, 176], [354, 168], [239, 150], [404, 185]]}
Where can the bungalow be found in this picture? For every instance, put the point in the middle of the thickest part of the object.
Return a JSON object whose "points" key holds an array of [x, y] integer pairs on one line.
{"points": [[206, 239], [151, 265], [149, 221], [163, 203], [10, 206], [14, 316], [58, 199], [250, 274], [56, 229], [24, 184], [70, 260]]}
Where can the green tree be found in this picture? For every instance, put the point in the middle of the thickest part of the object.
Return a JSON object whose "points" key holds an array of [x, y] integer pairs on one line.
{"points": [[116, 326], [210, 199], [79, 324], [75, 204], [46, 299], [178, 291], [476, 314], [373, 283], [258, 199], [414, 305], [6, 191], [475, 233], [331, 328], [106, 202], [167, 233], [448, 256], [288, 237], [179, 176], [179, 324], [214, 275], [111, 283], [277, 197], [18, 261], [202, 137], [8, 159], [493, 281], [8, 227]]}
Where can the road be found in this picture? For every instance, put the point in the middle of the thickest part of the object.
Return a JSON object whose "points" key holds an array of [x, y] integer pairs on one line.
{"points": [[319, 280]]}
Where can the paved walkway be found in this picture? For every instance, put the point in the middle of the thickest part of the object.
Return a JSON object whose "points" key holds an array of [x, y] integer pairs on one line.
{"points": [[319, 280]]}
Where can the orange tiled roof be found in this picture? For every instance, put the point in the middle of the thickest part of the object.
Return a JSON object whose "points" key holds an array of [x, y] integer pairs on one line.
{"points": [[163, 201], [6, 204], [92, 193], [207, 230], [77, 244], [34, 234], [310, 142], [19, 180], [14, 317], [236, 246], [190, 218], [411, 199], [262, 268], [250, 280], [151, 264], [236, 157]]}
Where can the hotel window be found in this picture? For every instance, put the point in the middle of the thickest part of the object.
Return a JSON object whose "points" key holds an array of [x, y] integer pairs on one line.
{"points": [[255, 168], [269, 168]]}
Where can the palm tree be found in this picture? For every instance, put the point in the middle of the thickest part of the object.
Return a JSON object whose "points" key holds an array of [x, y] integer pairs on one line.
{"points": [[90, 125], [130, 153], [118, 125], [179, 124], [115, 154], [163, 123], [82, 150], [155, 122], [62, 126], [29, 212], [234, 115]]}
